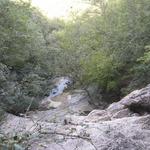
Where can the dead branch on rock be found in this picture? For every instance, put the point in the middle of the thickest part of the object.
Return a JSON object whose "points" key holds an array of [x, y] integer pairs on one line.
{"points": [[72, 137]]}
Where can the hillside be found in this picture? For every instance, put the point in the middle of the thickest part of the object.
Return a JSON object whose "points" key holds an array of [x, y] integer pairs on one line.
{"points": [[70, 73]]}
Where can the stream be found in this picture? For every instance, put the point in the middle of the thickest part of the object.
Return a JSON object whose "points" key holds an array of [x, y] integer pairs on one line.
{"points": [[60, 86]]}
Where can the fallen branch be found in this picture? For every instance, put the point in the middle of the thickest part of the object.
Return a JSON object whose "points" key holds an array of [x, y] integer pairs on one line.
{"points": [[72, 136]]}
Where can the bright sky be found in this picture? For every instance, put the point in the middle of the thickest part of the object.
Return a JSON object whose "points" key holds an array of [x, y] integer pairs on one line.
{"points": [[60, 8]]}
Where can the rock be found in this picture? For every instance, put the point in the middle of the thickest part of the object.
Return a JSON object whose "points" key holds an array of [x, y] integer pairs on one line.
{"points": [[115, 107], [78, 102], [138, 101], [124, 125], [122, 113], [68, 104], [120, 134], [48, 104], [98, 115], [74, 119], [16, 125], [54, 104]]}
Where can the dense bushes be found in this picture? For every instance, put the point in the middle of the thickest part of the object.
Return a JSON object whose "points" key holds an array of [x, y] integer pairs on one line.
{"points": [[27, 45], [104, 45]]}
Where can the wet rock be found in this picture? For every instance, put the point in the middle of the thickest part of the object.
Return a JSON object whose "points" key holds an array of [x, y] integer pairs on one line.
{"points": [[60, 84]]}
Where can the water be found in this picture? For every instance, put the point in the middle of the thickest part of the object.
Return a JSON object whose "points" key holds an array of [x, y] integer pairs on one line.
{"points": [[60, 86]]}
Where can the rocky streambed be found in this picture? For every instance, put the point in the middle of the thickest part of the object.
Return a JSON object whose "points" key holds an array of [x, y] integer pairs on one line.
{"points": [[65, 124]]}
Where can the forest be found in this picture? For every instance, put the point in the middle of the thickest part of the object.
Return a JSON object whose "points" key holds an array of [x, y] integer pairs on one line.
{"points": [[78, 82], [107, 45]]}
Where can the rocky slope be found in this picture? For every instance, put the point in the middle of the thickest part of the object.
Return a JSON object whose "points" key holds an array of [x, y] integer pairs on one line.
{"points": [[124, 125]]}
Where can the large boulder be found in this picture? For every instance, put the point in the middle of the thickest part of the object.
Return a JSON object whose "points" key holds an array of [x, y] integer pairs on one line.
{"points": [[76, 102], [137, 103], [121, 134]]}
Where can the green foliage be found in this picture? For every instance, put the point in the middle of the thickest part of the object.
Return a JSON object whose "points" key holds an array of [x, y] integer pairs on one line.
{"points": [[103, 45], [141, 71], [11, 147], [11, 143], [146, 58], [98, 68], [27, 50]]}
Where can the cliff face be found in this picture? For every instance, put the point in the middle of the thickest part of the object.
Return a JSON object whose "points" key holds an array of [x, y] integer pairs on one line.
{"points": [[124, 125]]}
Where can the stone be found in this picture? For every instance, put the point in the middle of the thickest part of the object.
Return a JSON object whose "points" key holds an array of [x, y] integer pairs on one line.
{"points": [[47, 104], [141, 97], [122, 113], [124, 125], [115, 107], [119, 134]]}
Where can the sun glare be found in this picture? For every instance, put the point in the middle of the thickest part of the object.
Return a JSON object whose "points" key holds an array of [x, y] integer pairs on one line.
{"points": [[60, 8]]}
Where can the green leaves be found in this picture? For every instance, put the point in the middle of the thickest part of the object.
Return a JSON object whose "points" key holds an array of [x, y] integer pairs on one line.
{"points": [[146, 58], [101, 69], [104, 47], [96, 47], [27, 50]]}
